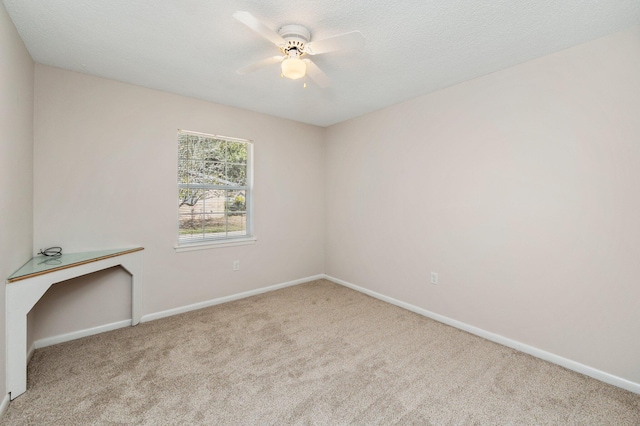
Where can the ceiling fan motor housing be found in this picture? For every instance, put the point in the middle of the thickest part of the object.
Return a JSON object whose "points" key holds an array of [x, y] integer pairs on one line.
{"points": [[296, 37]]}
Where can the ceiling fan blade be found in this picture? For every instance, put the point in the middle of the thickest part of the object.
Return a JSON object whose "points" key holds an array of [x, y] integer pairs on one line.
{"points": [[260, 64], [316, 74], [350, 40], [256, 25]]}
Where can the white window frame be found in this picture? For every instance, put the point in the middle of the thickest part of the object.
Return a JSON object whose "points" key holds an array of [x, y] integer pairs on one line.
{"points": [[220, 241]]}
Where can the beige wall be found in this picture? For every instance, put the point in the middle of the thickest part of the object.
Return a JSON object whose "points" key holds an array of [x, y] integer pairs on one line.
{"points": [[521, 189], [16, 162], [518, 188], [105, 162]]}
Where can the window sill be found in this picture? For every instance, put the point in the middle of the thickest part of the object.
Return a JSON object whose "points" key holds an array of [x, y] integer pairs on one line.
{"points": [[214, 244]]}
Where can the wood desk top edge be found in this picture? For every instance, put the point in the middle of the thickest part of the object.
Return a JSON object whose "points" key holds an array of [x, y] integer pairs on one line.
{"points": [[82, 262]]}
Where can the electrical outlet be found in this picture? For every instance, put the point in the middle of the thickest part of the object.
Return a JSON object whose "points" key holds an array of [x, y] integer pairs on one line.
{"points": [[236, 265], [434, 278]]}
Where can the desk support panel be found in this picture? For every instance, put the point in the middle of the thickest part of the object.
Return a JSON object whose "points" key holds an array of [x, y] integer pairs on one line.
{"points": [[22, 295]]}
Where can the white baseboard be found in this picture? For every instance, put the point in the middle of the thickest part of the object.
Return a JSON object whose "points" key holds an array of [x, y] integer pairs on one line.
{"points": [[538, 353], [4, 406], [61, 338], [219, 300], [505, 341], [31, 351]]}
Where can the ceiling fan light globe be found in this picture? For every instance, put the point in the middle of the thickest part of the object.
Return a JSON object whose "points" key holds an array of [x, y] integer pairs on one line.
{"points": [[293, 68]]}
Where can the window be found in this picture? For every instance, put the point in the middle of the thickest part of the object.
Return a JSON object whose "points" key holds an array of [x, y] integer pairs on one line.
{"points": [[214, 189]]}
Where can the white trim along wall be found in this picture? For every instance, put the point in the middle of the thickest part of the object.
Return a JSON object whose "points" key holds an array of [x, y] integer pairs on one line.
{"points": [[538, 353]]}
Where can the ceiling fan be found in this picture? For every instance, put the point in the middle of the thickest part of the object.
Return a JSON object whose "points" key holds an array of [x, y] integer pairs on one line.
{"points": [[294, 42]]}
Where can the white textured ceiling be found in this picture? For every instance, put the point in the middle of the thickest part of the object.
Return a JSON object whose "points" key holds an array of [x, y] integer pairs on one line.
{"points": [[413, 47]]}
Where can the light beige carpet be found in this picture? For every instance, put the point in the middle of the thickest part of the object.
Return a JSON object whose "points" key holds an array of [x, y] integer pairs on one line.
{"points": [[316, 353]]}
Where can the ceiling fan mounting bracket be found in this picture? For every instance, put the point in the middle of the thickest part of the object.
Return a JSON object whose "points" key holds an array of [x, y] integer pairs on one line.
{"points": [[296, 37]]}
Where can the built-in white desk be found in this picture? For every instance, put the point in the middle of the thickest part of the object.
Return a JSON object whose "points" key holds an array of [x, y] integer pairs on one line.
{"points": [[28, 284]]}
